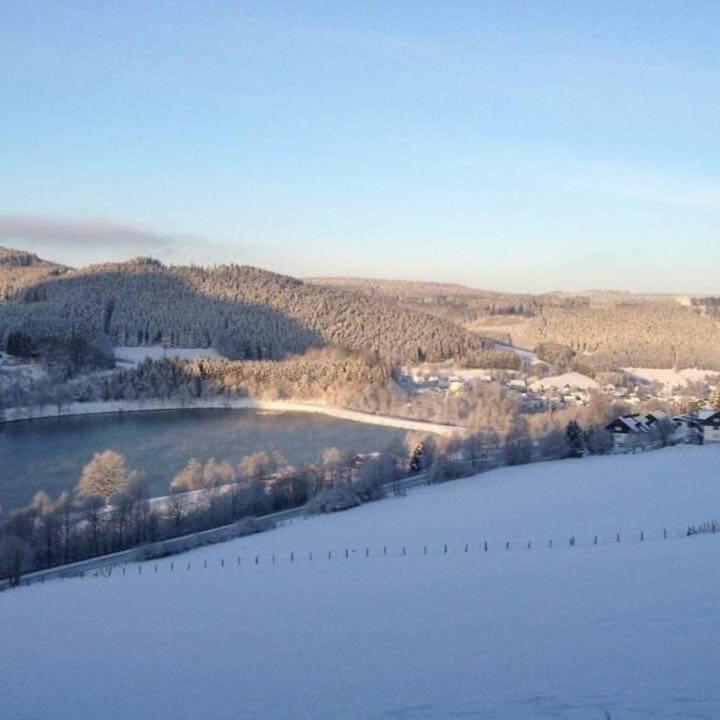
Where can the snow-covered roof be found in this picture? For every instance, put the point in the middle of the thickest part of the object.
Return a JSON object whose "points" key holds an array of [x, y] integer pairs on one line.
{"points": [[638, 423]]}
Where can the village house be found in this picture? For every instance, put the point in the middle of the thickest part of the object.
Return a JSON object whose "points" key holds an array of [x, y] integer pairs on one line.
{"points": [[637, 430], [709, 424]]}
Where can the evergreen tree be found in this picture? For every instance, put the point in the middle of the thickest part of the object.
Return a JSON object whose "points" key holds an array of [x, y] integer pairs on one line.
{"points": [[576, 439]]}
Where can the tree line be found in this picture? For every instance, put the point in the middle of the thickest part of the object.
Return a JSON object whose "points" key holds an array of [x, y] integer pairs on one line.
{"points": [[110, 508], [244, 312]]}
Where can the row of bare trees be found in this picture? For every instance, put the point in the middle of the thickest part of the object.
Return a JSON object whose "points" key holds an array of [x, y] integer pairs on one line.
{"points": [[111, 510]]}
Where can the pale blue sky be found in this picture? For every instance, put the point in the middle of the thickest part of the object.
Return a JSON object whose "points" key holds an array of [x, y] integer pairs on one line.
{"points": [[510, 145]]}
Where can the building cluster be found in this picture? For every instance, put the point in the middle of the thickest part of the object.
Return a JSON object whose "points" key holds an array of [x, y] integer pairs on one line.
{"points": [[645, 431]]}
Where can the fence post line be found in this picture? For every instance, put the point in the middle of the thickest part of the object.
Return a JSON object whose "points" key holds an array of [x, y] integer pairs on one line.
{"points": [[367, 552], [486, 548], [329, 554], [424, 549], [507, 545], [596, 539], [467, 547], [665, 532], [384, 549], [292, 557], [310, 556], [617, 538], [347, 553], [550, 544], [257, 560], [172, 566], [642, 535], [222, 562]]}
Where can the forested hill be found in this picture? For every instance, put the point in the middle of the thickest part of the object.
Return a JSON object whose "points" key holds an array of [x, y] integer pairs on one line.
{"points": [[19, 269], [606, 329], [242, 311]]}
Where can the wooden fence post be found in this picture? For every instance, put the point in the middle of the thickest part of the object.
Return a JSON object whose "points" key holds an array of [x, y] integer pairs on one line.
{"points": [[485, 544]]}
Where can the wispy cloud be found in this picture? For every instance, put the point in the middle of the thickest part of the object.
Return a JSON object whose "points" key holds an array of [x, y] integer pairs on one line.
{"points": [[88, 233]]}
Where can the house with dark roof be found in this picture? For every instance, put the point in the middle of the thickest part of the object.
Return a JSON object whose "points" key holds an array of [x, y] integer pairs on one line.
{"points": [[708, 420], [637, 430]]}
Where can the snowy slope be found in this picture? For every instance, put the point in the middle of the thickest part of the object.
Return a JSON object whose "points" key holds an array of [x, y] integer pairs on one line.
{"points": [[623, 630], [134, 355], [669, 376]]}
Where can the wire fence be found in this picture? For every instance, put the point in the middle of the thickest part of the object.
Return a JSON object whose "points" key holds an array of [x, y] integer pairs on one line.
{"points": [[178, 565]]}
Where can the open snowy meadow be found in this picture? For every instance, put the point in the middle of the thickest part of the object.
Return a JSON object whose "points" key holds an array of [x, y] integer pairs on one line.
{"points": [[610, 630]]}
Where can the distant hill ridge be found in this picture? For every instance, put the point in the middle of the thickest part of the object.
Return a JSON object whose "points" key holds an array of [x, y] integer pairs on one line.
{"points": [[244, 312], [19, 269], [607, 328]]}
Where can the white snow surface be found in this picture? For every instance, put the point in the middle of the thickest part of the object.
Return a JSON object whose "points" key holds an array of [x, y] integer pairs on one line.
{"points": [[133, 355], [526, 355], [670, 376], [621, 631]]}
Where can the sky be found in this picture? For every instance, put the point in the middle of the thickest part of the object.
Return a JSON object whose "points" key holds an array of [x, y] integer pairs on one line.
{"points": [[524, 146]]}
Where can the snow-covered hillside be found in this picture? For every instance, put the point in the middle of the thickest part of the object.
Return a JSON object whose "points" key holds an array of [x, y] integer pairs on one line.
{"points": [[616, 631], [126, 355]]}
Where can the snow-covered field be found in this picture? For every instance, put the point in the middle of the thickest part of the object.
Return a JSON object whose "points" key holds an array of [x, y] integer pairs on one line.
{"points": [[131, 355], [14, 371], [620, 631], [526, 355], [669, 376]]}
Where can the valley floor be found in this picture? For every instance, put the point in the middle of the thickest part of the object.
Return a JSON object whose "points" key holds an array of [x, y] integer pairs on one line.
{"points": [[616, 630]]}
